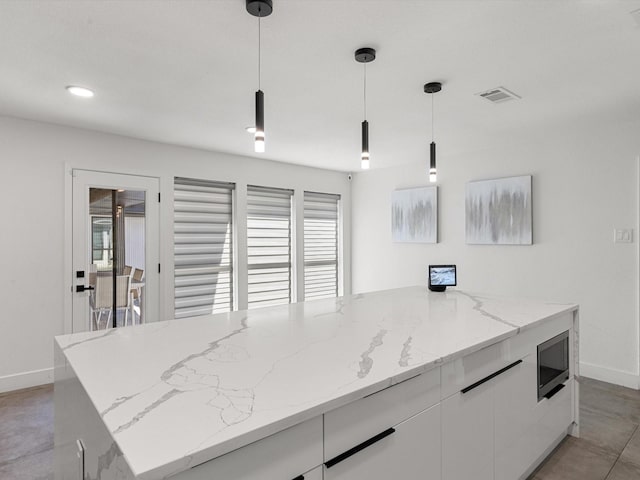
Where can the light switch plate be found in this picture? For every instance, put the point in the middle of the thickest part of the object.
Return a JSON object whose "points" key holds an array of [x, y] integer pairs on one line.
{"points": [[623, 235]]}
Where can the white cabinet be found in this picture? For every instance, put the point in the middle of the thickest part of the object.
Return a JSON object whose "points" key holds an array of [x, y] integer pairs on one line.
{"points": [[467, 435], [358, 421], [411, 451], [393, 433], [552, 417], [497, 429], [515, 398], [282, 456], [484, 425]]}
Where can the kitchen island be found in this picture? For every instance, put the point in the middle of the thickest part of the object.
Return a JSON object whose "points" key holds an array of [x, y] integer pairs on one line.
{"points": [[402, 382]]}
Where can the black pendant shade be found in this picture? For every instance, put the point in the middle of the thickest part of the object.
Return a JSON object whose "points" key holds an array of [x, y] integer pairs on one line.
{"points": [[259, 135], [432, 163], [365, 144]]}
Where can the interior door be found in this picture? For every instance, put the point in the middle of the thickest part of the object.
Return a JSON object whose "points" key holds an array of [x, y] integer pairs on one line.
{"points": [[115, 252]]}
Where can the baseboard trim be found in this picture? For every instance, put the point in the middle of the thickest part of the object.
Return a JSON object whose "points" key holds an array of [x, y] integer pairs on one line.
{"points": [[610, 375], [19, 381]]}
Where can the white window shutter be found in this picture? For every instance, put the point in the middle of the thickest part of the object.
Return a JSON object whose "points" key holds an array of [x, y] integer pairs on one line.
{"points": [[320, 245], [268, 246], [203, 247]]}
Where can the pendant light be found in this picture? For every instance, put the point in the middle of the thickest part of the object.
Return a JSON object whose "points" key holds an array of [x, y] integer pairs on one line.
{"points": [[364, 56], [260, 9], [431, 88]]}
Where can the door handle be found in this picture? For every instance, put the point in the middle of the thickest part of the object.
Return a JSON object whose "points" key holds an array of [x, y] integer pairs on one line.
{"points": [[358, 448], [489, 377], [82, 288]]}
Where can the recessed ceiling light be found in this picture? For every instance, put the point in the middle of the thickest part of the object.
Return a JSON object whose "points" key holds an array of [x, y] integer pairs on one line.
{"points": [[251, 129], [80, 91]]}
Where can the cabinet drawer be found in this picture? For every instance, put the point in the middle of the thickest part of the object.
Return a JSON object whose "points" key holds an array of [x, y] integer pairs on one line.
{"points": [[412, 451], [283, 456], [468, 435], [358, 421], [552, 417], [465, 371], [515, 399]]}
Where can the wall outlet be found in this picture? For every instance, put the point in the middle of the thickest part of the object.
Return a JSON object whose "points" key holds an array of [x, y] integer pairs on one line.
{"points": [[623, 235]]}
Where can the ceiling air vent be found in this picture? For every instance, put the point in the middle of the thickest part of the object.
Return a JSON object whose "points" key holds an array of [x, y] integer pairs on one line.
{"points": [[499, 95]]}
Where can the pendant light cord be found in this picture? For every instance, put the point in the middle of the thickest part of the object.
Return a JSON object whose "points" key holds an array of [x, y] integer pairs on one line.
{"points": [[259, 50], [365, 91], [432, 129]]}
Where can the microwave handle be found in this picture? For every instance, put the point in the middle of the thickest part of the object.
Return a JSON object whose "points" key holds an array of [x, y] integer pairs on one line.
{"points": [[554, 390]]}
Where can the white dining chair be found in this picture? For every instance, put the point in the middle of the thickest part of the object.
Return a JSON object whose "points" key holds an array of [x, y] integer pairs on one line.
{"points": [[103, 299]]}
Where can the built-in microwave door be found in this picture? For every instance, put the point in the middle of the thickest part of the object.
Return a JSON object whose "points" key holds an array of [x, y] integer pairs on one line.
{"points": [[553, 363]]}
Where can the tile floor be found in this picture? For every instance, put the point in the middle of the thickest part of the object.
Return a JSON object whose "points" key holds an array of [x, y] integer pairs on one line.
{"points": [[26, 434], [609, 443], [609, 447]]}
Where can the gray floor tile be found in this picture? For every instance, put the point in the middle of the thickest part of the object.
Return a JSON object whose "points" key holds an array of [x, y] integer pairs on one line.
{"points": [[32, 467], [624, 471], [605, 431], [26, 425], [612, 400], [631, 453], [577, 459]]}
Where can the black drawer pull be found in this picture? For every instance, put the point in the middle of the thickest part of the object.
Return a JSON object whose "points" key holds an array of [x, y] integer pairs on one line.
{"points": [[357, 448], [554, 390], [299, 477], [493, 375]]}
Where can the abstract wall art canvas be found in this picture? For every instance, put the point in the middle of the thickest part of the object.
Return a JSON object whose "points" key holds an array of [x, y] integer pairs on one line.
{"points": [[414, 215], [498, 212]]}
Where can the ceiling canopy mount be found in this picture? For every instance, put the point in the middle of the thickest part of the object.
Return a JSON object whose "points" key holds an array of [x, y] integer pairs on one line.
{"points": [[260, 8], [432, 87], [365, 55]]}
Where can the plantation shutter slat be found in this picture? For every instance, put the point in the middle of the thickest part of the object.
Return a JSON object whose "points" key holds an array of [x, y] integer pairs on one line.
{"points": [[268, 246], [203, 254], [320, 245]]}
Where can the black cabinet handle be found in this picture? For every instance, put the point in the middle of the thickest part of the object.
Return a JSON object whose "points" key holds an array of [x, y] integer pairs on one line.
{"points": [[554, 390], [357, 448], [493, 375], [299, 477], [82, 288]]}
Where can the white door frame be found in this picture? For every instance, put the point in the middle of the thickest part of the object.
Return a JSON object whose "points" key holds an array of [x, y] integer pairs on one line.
{"points": [[69, 280]]}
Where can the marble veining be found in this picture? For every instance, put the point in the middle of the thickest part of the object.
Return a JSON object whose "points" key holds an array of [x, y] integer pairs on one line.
{"points": [[176, 394], [479, 308], [91, 338], [405, 355], [367, 362]]}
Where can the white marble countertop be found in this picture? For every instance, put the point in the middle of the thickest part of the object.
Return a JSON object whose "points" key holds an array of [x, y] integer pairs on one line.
{"points": [[176, 394]]}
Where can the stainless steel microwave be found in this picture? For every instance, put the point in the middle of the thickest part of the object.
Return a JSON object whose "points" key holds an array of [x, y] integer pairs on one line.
{"points": [[553, 365]]}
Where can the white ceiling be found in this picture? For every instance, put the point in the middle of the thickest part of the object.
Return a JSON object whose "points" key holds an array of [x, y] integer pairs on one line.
{"points": [[185, 72]]}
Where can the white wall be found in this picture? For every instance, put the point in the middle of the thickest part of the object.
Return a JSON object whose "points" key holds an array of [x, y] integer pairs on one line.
{"points": [[585, 184], [36, 158]]}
